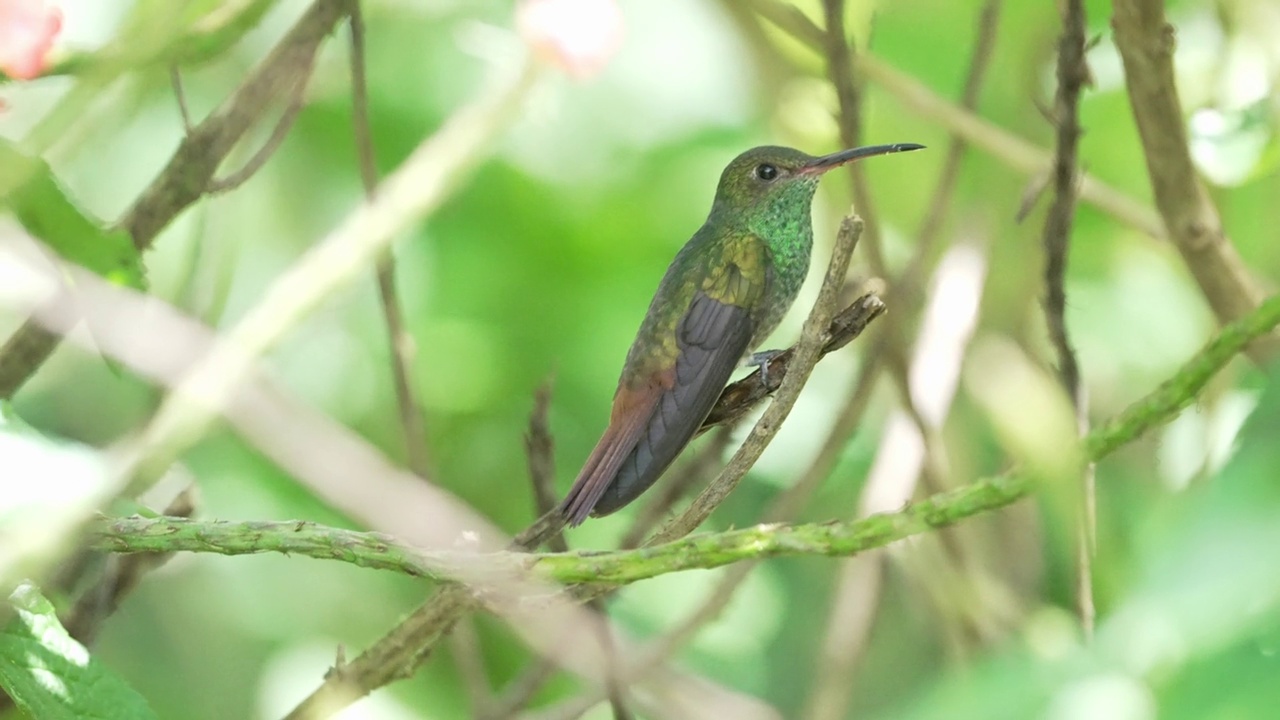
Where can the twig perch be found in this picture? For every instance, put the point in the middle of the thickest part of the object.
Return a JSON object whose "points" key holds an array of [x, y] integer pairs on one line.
{"points": [[1073, 75]]}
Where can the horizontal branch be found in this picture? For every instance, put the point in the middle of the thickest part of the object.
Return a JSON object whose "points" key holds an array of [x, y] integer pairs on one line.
{"points": [[373, 550]]}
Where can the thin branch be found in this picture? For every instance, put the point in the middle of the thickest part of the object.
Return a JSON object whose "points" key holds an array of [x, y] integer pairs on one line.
{"points": [[180, 95], [520, 692], [1180, 391], [1145, 40], [402, 350], [187, 175], [807, 352], [540, 450], [190, 169], [840, 64], [297, 99], [1073, 74], [401, 345], [360, 102], [464, 646]]}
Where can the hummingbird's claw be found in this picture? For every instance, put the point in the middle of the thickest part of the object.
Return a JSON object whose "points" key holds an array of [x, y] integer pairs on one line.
{"points": [[762, 360]]}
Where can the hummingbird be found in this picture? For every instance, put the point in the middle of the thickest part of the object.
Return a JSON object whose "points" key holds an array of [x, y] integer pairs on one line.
{"points": [[724, 293]]}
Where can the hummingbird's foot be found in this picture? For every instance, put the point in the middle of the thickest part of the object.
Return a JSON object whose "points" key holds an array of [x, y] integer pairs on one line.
{"points": [[762, 360]]}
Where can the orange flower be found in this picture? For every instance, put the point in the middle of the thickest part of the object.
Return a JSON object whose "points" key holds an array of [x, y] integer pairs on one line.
{"points": [[27, 30]]}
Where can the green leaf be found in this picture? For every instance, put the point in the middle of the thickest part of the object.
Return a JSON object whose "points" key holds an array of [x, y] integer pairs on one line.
{"points": [[28, 187], [51, 676]]}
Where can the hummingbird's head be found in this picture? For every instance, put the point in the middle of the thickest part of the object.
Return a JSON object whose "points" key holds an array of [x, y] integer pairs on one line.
{"points": [[772, 184]]}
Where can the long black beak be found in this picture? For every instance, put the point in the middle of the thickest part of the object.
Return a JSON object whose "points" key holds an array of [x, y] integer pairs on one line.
{"points": [[834, 160]]}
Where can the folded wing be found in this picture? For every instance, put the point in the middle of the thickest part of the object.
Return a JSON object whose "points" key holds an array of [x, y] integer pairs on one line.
{"points": [[654, 419]]}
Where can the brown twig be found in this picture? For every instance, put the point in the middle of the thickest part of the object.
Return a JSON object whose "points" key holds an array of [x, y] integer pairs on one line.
{"points": [[540, 451], [191, 168], [1073, 75], [464, 646], [401, 345], [297, 99], [1145, 40], [840, 63], [520, 692], [539, 448], [175, 79]]}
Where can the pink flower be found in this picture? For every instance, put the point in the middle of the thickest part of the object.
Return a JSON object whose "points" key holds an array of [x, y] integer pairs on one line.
{"points": [[27, 30], [579, 36]]}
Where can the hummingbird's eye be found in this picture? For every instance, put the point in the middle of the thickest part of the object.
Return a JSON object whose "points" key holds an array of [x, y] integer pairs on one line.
{"points": [[766, 172]]}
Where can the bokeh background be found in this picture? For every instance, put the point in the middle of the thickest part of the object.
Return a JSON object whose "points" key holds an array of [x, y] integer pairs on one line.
{"points": [[543, 262]]}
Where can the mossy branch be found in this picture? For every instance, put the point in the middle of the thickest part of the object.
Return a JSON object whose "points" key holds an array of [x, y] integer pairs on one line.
{"points": [[373, 550]]}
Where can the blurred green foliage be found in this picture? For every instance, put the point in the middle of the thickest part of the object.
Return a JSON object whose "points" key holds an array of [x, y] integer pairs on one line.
{"points": [[543, 264]]}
